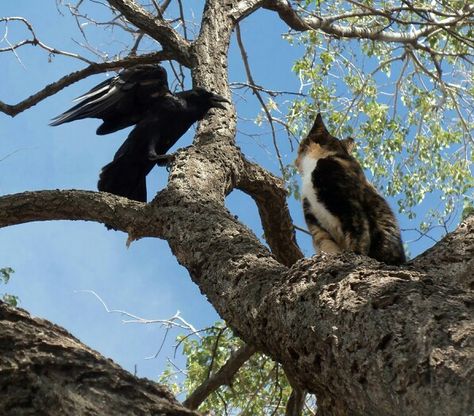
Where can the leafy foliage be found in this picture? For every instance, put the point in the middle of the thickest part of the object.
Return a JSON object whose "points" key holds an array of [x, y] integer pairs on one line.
{"points": [[409, 106], [259, 388]]}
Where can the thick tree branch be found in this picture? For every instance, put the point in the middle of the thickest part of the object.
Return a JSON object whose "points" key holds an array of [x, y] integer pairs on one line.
{"points": [[222, 377], [58, 375], [346, 308], [452, 257], [327, 25], [123, 214], [214, 35], [342, 307], [270, 194], [157, 28], [410, 330], [51, 89]]}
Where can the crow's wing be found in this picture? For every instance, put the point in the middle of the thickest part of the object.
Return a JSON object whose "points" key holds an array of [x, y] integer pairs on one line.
{"points": [[160, 127], [93, 104], [119, 101]]}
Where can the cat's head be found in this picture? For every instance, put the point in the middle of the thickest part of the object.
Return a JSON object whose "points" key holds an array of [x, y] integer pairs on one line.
{"points": [[319, 144]]}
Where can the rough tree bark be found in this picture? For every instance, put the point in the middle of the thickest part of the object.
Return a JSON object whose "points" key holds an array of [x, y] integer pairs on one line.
{"points": [[366, 338], [44, 370]]}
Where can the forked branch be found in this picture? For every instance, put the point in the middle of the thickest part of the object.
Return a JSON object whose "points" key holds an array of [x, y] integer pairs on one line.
{"points": [[270, 195], [156, 28]]}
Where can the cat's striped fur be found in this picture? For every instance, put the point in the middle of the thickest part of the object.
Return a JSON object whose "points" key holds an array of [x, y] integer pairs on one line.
{"points": [[342, 209]]}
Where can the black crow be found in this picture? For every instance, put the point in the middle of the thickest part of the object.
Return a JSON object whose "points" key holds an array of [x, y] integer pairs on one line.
{"points": [[120, 101], [159, 129], [140, 96]]}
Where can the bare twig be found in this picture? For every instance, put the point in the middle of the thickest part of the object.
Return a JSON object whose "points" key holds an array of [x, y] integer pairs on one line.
{"points": [[303, 230], [214, 351], [256, 91], [175, 321], [35, 41]]}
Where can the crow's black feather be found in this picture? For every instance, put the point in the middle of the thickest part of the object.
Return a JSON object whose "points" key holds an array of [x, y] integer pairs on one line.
{"points": [[119, 101], [160, 128], [140, 96]]}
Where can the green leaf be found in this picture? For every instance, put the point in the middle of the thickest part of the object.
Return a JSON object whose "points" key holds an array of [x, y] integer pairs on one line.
{"points": [[5, 274]]}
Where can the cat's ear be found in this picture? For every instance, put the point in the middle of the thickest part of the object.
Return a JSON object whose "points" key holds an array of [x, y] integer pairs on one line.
{"points": [[318, 129], [349, 144]]}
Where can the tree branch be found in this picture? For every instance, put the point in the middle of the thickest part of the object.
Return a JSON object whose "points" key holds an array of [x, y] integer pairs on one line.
{"points": [[35, 41], [97, 68], [157, 28], [121, 213], [256, 92], [244, 8], [367, 338], [57, 375], [222, 377], [296, 402], [452, 257], [270, 195], [327, 25]]}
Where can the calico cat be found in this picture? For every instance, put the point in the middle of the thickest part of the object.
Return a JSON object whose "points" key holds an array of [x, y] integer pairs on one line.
{"points": [[343, 211]]}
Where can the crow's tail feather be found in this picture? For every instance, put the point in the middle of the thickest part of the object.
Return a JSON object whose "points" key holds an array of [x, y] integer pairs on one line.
{"points": [[120, 177]]}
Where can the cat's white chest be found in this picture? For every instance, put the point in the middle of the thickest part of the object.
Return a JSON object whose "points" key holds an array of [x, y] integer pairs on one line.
{"points": [[328, 221]]}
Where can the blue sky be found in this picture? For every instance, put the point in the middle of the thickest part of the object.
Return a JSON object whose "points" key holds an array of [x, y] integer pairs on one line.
{"points": [[55, 260]]}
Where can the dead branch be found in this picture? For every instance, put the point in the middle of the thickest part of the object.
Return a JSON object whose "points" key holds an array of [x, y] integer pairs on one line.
{"points": [[35, 41]]}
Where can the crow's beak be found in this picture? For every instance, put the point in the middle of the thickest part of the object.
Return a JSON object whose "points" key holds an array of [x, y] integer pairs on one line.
{"points": [[217, 100]]}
